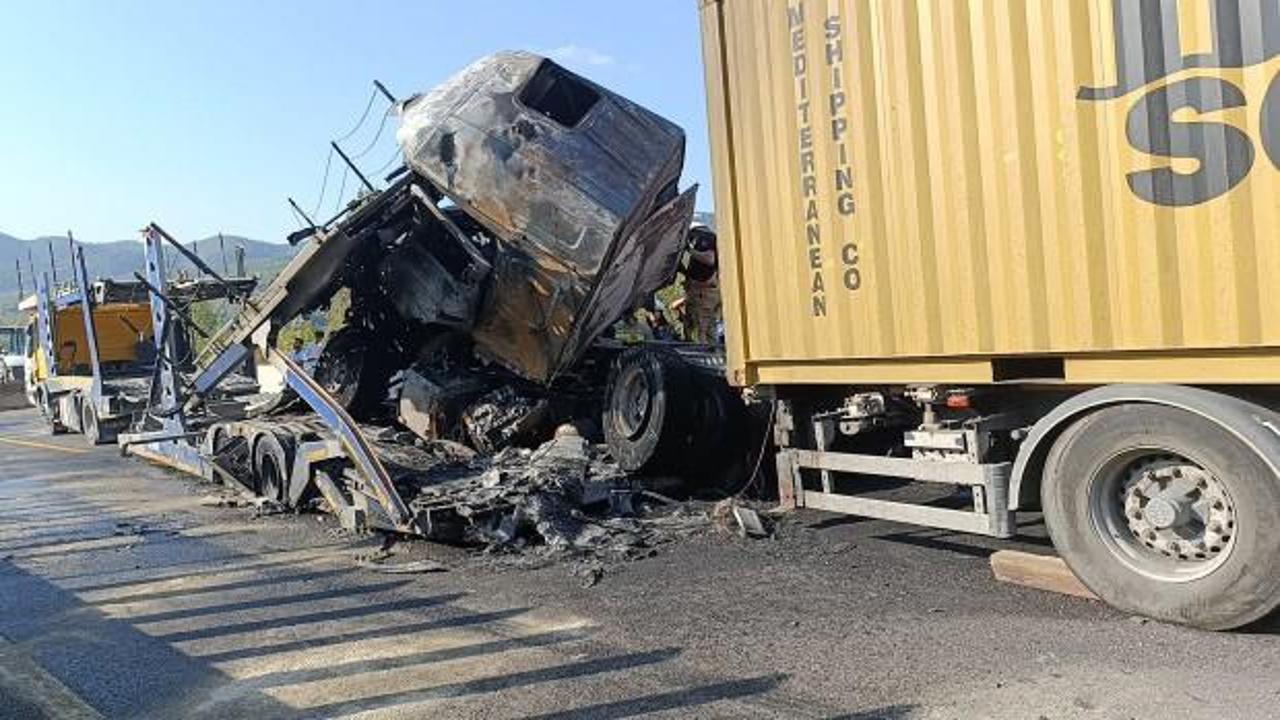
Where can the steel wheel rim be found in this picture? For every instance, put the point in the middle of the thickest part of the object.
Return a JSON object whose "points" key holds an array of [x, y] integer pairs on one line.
{"points": [[1163, 514], [635, 405]]}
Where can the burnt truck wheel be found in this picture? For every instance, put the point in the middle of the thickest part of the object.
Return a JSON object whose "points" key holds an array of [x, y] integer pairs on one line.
{"points": [[354, 370], [722, 425], [216, 439], [1164, 513], [645, 420], [272, 462]]}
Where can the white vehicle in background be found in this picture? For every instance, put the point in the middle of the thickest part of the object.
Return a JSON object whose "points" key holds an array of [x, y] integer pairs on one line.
{"points": [[12, 366]]}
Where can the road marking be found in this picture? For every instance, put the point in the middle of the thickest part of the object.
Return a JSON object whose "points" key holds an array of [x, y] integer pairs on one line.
{"points": [[44, 446]]}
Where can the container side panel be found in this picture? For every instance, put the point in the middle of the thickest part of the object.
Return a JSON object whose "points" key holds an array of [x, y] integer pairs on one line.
{"points": [[725, 181], [985, 178]]}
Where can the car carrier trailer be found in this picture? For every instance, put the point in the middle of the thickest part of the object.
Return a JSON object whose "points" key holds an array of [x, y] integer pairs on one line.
{"points": [[1023, 248], [92, 358]]}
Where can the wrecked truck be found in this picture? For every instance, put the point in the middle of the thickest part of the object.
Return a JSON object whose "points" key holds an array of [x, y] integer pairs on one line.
{"points": [[539, 209], [533, 211]]}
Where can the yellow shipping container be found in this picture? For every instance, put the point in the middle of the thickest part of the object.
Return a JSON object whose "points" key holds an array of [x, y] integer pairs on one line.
{"points": [[979, 190]]}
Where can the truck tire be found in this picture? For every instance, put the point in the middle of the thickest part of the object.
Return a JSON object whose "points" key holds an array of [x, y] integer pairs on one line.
{"points": [[49, 410], [272, 462], [719, 430], [646, 411], [89, 425], [1162, 512], [216, 439]]}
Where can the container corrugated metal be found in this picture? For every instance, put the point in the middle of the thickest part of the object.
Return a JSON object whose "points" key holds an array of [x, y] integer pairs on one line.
{"points": [[906, 190]]}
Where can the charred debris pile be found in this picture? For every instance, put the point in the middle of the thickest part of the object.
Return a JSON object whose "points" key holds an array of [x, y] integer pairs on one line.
{"points": [[488, 460]]}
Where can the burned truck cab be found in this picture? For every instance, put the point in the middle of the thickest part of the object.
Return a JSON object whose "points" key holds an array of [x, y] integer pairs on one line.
{"points": [[575, 185], [537, 209]]}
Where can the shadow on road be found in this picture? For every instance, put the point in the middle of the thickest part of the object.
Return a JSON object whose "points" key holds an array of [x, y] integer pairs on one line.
{"points": [[682, 699]]}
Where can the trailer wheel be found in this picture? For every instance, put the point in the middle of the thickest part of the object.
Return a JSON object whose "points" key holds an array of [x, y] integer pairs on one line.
{"points": [[217, 439], [271, 464], [1162, 512], [50, 412], [721, 428], [645, 422], [89, 425]]}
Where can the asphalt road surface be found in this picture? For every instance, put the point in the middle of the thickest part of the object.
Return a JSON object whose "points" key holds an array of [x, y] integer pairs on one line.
{"points": [[121, 595]]}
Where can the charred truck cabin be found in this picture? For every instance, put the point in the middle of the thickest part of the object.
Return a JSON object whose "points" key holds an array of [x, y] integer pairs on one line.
{"points": [[536, 209]]}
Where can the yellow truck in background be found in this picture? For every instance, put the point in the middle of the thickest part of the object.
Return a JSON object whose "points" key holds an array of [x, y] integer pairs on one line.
{"points": [[90, 354], [1020, 247]]}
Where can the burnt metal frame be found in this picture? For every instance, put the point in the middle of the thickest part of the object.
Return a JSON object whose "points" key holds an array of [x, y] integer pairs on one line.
{"points": [[380, 488], [172, 444], [169, 444], [95, 395]]}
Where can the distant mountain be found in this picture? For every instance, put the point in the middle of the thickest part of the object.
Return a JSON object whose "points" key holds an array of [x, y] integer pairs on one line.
{"points": [[121, 258]]}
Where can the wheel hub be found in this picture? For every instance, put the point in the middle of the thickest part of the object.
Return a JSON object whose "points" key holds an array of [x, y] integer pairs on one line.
{"points": [[1177, 509], [1164, 514], [635, 404]]}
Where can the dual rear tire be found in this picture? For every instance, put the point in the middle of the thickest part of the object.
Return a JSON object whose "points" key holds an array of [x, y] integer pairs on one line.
{"points": [[664, 416], [95, 432], [261, 462]]}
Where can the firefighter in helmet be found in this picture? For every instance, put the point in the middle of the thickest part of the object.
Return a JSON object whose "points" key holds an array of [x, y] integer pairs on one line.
{"points": [[701, 286]]}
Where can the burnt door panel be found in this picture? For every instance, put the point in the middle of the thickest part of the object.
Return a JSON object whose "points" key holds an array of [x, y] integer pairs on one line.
{"points": [[527, 314], [643, 263]]}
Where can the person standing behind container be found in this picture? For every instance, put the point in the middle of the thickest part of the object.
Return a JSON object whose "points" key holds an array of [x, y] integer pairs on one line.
{"points": [[701, 286]]}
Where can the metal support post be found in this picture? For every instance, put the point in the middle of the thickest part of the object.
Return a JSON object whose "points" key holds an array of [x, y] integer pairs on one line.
{"points": [[168, 444], [81, 275], [44, 322]]}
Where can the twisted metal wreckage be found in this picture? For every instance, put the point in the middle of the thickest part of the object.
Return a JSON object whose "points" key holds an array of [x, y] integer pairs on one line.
{"points": [[534, 210]]}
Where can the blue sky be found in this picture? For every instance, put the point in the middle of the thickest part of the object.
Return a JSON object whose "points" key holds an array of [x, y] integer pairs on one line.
{"points": [[203, 116]]}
